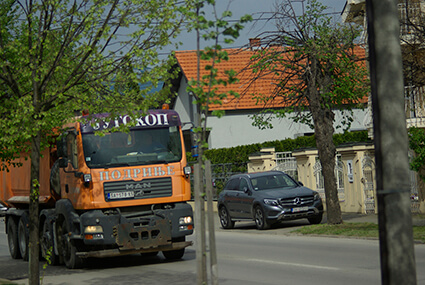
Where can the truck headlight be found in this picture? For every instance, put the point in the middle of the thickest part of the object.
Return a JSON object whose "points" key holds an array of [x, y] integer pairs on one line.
{"points": [[185, 223], [185, 220], [93, 232], [93, 229]]}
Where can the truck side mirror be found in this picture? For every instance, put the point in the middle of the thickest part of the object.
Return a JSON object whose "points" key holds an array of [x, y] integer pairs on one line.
{"points": [[63, 162], [61, 145]]}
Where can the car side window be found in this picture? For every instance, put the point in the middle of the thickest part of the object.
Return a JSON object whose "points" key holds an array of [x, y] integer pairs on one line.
{"points": [[233, 184], [243, 184]]}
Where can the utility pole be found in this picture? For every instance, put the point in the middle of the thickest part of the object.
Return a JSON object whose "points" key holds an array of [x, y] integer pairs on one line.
{"points": [[391, 144]]}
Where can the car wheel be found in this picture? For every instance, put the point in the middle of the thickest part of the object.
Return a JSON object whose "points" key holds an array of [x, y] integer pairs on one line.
{"points": [[315, 220], [260, 219], [225, 220], [12, 238]]}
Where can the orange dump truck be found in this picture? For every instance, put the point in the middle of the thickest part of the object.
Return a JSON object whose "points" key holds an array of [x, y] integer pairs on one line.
{"points": [[110, 195]]}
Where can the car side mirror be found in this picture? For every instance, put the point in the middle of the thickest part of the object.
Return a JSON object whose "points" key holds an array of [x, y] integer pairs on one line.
{"points": [[299, 182], [246, 190]]}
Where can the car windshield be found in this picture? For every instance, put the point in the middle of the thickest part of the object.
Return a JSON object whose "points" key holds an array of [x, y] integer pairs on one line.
{"points": [[137, 147], [274, 181]]}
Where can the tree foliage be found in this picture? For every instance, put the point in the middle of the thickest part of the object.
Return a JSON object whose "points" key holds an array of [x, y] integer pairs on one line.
{"points": [[205, 88], [58, 57], [316, 64], [417, 144], [62, 56]]}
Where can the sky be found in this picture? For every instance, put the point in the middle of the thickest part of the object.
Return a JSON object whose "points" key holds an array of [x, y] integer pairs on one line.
{"points": [[254, 8]]}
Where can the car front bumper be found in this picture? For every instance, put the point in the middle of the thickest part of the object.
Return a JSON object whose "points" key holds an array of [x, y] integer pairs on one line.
{"points": [[279, 213]]}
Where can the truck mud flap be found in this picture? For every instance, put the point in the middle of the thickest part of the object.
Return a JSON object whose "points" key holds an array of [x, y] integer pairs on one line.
{"points": [[118, 252]]}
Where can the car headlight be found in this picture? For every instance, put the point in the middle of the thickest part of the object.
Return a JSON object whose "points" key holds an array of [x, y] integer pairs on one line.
{"points": [[317, 196], [271, 202]]}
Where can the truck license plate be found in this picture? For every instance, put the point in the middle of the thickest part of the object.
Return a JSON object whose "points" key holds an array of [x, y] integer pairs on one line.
{"points": [[299, 209], [121, 195]]}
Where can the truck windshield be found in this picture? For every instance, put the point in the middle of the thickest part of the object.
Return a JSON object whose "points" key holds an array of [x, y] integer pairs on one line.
{"points": [[137, 147]]}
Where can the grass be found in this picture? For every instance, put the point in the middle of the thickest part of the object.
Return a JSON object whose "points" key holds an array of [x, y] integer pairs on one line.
{"points": [[362, 230]]}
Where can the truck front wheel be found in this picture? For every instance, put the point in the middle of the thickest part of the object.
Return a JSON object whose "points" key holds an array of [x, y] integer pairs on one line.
{"points": [[12, 238], [67, 249], [175, 254]]}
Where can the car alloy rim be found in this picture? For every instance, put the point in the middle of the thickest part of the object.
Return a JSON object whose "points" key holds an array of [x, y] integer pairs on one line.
{"points": [[223, 216]]}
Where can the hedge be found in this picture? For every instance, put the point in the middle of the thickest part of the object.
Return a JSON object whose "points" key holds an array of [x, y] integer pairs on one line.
{"points": [[240, 154]]}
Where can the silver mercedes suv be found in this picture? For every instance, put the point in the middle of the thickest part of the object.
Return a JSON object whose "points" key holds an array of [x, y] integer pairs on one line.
{"points": [[267, 198]]}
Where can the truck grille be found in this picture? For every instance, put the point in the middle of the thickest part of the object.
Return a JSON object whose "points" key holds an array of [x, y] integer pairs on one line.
{"points": [[296, 201], [144, 189]]}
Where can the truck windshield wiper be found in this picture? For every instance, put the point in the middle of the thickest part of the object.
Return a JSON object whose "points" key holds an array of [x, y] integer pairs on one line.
{"points": [[112, 164], [154, 161]]}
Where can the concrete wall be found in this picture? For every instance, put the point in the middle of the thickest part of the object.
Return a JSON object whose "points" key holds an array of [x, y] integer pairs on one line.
{"points": [[354, 191]]}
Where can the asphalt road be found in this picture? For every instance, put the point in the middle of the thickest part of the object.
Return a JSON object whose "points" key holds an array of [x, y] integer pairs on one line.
{"points": [[245, 257]]}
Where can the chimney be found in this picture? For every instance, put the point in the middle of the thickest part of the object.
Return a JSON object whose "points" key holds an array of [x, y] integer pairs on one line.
{"points": [[254, 43]]}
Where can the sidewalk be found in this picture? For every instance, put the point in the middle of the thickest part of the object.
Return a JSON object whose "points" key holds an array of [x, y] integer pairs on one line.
{"points": [[417, 220]]}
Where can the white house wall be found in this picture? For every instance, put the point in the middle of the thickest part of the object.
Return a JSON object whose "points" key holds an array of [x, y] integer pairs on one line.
{"points": [[236, 129], [233, 130], [182, 104]]}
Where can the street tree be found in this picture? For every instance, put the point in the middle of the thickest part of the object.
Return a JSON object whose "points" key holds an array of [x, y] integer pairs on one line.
{"points": [[58, 57], [215, 30], [319, 70]]}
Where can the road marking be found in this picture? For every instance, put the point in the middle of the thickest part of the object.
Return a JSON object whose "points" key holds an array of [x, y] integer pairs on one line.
{"points": [[292, 264]]}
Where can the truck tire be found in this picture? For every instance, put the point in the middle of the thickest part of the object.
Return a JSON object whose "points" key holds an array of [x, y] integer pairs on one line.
{"points": [[46, 244], [23, 236], [67, 249], [175, 254], [12, 238]]}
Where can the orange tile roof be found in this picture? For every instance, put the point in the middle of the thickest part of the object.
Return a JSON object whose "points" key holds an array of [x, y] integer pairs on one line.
{"points": [[239, 60]]}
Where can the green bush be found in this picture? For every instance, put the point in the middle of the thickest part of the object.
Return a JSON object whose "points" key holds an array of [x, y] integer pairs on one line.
{"points": [[240, 154]]}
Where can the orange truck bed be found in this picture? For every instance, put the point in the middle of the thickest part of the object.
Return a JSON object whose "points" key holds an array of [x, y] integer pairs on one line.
{"points": [[15, 183]]}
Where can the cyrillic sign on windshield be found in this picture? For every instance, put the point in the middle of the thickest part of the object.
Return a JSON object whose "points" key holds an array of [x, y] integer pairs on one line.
{"points": [[157, 118]]}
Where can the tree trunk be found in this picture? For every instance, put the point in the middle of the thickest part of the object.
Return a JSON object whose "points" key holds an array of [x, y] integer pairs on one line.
{"points": [[33, 245], [323, 118], [327, 150]]}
